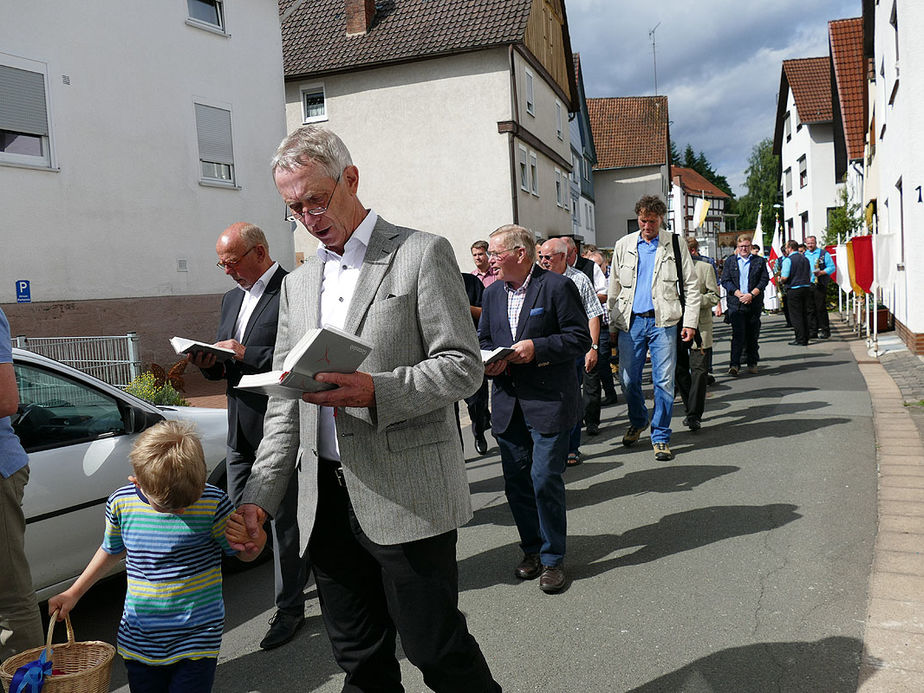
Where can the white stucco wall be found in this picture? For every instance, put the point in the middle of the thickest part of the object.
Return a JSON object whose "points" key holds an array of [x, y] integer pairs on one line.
{"points": [[124, 202], [424, 137], [816, 143], [900, 154], [616, 191]]}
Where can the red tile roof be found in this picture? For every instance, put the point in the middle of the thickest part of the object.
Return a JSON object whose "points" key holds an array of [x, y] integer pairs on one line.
{"points": [[810, 81], [629, 130], [693, 183], [314, 38], [846, 36]]}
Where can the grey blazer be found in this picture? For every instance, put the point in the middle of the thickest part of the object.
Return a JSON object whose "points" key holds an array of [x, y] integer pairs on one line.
{"points": [[402, 459]]}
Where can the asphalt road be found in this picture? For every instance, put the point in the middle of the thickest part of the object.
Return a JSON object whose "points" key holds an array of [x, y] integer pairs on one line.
{"points": [[740, 567]]}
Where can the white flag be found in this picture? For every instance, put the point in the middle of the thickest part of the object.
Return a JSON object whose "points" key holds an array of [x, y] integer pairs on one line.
{"points": [[700, 211], [843, 268]]}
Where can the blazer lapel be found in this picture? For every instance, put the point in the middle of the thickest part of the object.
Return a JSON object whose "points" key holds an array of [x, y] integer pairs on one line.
{"points": [[532, 293], [272, 289], [229, 315], [382, 247]]}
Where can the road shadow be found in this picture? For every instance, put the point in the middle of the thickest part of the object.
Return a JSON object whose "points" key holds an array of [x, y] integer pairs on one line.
{"points": [[830, 665], [671, 479], [672, 534], [304, 664]]}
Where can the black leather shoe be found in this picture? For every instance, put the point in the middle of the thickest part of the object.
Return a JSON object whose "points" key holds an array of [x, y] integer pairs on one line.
{"points": [[552, 579], [824, 335], [530, 567], [796, 342], [692, 423], [481, 445], [593, 430], [710, 379], [283, 628], [608, 400]]}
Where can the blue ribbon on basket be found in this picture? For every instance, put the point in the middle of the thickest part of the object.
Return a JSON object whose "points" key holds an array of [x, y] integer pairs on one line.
{"points": [[29, 678]]}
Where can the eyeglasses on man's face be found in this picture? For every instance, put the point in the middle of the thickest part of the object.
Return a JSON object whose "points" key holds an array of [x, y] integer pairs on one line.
{"points": [[298, 209], [498, 254], [225, 264], [549, 257]]}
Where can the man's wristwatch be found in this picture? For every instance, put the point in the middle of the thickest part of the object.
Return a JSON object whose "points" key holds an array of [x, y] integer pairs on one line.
{"points": [[594, 346]]}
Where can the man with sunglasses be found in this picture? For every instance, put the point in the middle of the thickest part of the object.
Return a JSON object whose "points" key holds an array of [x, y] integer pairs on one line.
{"points": [[248, 326], [381, 476]]}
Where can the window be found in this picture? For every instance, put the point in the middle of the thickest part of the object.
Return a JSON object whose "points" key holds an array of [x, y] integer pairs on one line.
{"points": [[575, 212], [524, 170], [805, 226], [803, 172], [558, 121], [216, 155], [24, 131], [530, 103], [789, 226], [559, 193], [534, 173], [631, 225], [787, 127], [787, 182], [56, 411], [575, 168], [314, 108], [207, 12], [585, 170]]}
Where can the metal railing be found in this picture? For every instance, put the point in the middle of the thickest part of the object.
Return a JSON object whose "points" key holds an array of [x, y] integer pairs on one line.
{"points": [[113, 359]]}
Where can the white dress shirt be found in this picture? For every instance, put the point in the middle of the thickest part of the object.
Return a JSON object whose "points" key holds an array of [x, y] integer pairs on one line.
{"points": [[252, 296], [340, 276]]}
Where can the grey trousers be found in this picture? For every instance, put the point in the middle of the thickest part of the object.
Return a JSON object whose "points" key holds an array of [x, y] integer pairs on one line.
{"points": [[20, 622]]}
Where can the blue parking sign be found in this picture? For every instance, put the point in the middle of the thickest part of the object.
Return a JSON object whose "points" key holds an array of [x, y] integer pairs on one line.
{"points": [[23, 291]]}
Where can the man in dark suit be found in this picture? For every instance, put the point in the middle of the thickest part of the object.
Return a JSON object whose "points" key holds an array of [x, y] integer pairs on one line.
{"points": [[744, 277], [536, 393], [249, 313]]}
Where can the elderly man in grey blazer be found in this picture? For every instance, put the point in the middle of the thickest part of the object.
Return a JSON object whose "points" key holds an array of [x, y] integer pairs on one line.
{"points": [[381, 476]]}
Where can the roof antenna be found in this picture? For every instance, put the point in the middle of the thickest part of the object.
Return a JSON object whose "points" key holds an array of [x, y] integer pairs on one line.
{"points": [[654, 56]]}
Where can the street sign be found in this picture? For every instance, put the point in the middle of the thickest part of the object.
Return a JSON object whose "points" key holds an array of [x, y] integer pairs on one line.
{"points": [[23, 291]]}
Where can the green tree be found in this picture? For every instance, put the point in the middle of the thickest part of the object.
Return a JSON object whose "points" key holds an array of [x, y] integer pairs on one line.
{"points": [[689, 157], [763, 185], [843, 220], [675, 155]]}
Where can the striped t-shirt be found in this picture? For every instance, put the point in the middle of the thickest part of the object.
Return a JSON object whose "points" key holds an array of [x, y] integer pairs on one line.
{"points": [[173, 605]]}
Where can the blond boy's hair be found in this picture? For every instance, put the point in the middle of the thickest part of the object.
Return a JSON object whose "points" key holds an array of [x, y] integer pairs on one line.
{"points": [[169, 464]]}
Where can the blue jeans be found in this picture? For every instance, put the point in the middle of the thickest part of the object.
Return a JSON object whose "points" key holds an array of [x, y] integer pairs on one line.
{"points": [[533, 465], [641, 338], [185, 676]]}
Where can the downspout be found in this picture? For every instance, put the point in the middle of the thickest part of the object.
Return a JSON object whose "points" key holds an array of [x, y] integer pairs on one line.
{"points": [[514, 172]]}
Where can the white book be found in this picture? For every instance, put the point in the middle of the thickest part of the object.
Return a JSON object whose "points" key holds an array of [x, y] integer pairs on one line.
{"points": [[322, 350], [489, 357], [181, 345]]}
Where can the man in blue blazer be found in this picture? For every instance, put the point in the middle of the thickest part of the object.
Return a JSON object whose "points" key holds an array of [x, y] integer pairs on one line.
{"points": [[537, 399], [744, 277], [249, 315]]}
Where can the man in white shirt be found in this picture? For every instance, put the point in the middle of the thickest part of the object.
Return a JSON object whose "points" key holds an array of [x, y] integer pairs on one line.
{"points": [[382, 480], [248, 326]]}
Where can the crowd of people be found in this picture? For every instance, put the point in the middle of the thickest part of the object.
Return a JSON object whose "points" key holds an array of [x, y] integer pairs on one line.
{"points": [[365, 483]]}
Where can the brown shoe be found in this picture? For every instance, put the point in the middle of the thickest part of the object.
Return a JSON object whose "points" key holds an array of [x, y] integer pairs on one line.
{"points": [[552, 579], [530, 567]]}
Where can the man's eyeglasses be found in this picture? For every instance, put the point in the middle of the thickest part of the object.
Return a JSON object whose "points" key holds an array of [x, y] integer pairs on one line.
{"points": [[298, 210], [499, 253], [548, 257], [233, 263]]}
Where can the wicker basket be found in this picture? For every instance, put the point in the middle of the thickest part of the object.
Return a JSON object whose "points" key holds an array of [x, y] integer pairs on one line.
{"points": [[84, 666]]}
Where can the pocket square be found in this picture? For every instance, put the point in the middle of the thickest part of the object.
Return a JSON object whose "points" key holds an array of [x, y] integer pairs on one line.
{"points": [[537, 311]]}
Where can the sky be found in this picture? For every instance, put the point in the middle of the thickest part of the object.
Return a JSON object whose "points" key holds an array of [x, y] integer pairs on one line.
{"points": [[718, 63]]}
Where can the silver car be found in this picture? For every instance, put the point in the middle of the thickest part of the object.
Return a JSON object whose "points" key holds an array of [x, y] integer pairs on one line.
{"points": [[78, 431]]}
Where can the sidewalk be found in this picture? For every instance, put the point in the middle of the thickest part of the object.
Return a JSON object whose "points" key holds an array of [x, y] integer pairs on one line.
{"points": [[893, 657]]}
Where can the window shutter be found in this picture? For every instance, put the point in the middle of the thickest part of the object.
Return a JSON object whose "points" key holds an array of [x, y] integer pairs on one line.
{"points": [[214, 130], [22, 101]]}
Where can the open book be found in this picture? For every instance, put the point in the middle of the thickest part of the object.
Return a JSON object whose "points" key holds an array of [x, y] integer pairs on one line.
{"points": [[190, 346], [322, 350], [489, 357]]}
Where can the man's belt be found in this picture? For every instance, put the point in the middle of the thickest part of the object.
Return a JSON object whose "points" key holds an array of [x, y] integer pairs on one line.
{"points": [[646, 314]]}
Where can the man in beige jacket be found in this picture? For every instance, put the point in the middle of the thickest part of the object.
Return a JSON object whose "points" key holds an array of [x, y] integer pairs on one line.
{"points": [[644, 303]]}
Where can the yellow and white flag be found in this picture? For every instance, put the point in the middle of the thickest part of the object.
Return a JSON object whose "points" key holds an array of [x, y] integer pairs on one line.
{"points": [[700, 211]]}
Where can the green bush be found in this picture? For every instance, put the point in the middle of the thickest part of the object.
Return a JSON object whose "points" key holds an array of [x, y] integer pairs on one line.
{"points": [[145, 387]]}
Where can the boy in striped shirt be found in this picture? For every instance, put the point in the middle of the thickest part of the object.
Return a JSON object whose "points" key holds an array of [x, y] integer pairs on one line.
{"points": [[169, 525]]}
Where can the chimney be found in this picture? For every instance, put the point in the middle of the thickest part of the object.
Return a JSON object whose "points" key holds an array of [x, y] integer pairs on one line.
{"points": [[359, 16]]}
